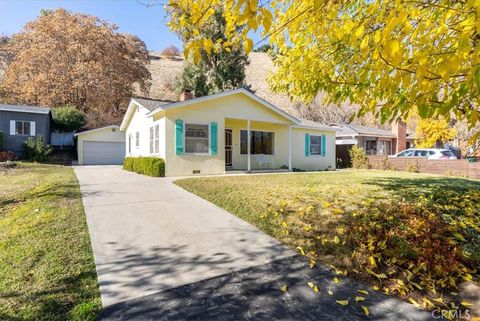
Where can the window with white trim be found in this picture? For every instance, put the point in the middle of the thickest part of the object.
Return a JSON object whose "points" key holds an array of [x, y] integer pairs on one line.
{"points": [[157, 139], [315, 145], [151, 140], [196, 139], [260, 142], [22, 128], [137, 139]]}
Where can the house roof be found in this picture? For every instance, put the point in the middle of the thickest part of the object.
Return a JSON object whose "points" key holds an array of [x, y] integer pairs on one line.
{"points": [[305, 123], [151, 104], [155, 106], [223, 94], [25, 109], [96, 130], [358, 130]]}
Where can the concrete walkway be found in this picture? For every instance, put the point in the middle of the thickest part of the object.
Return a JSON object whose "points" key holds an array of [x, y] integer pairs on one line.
{"points": [[149, 235]]}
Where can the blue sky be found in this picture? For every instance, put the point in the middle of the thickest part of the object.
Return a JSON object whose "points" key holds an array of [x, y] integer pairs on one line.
{"points": [[129, 15]]}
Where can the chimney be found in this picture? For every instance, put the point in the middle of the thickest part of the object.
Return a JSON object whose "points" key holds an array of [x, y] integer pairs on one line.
{"points": [[400, 131], [186, 95]]}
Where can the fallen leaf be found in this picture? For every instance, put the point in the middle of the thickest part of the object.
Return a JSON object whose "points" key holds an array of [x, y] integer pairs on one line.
{"points": [[336, 280], [363, 292], [359, 298], [329, 291], [301, 250], [365, 310], [284, 288], [466, 304], [342, 302], [414, 302]]}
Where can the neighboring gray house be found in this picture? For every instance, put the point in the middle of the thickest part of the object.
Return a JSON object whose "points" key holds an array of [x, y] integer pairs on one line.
{"points": [[374, 141], [18, 122]]}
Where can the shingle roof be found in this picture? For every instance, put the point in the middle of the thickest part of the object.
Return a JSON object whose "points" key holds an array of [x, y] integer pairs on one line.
{"points": [[25, 109], [152, 104], [358, 130], [313, 124]]}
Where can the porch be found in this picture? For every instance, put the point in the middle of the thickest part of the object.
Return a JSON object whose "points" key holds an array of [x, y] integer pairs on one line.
{"points": [[256, 146]]}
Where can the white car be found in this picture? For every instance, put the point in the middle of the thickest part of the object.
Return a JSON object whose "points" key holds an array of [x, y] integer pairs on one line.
{"points": [[429, 153]]}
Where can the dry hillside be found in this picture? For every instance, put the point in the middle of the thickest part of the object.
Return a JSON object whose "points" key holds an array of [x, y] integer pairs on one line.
{"points": [[164, 70]]}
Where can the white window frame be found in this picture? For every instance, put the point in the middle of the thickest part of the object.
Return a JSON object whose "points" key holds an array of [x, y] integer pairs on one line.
{"points": [[185, 138], [257, 130], [23, 127], [156, 138], [137, 139], [310, 146], [151, 141]]}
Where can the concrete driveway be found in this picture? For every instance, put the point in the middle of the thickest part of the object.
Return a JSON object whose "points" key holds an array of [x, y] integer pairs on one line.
{"points": [[149, 235]]}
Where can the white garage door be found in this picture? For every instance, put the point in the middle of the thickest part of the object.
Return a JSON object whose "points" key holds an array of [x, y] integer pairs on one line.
{"points": [[103, 153]]}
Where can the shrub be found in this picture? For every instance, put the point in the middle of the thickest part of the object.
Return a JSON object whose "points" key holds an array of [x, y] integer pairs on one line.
{"points": [[36, 149], [6, 156], [413, 168], [171, 51], [359, 158], [67, 119], [150, 166], [386, 165]]}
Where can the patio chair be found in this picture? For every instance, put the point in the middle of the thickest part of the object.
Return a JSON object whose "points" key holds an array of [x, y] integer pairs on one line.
{"points": [[264, 159]]}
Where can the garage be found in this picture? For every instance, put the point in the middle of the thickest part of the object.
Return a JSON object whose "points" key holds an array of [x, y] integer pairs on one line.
{"points": [[101, 146]]}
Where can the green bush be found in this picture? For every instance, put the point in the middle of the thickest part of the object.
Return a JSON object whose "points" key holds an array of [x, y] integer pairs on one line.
{"points": [[150, 166], [359, 158], [67, 119], [36, 150]]}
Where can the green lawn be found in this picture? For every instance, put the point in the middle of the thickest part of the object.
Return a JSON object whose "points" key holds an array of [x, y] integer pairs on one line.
{"points": [[411, 235], [47, 271]]}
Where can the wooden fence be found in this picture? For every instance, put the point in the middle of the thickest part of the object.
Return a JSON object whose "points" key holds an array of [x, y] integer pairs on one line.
{"points": [[457, 167]]}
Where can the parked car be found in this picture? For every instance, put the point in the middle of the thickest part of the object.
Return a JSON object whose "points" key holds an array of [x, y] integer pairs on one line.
{"points": [[429, 153]]}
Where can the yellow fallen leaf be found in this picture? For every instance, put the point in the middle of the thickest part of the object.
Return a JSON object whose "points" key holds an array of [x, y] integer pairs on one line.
{"points": [[310, 284], [439, 300], [336, 280], [376, 288], [363, 292], [284, 224], [284, 288], [365, 310], [342, 302], [359, 298], [329, 291], [466, 304], [371, 259], [300, 250], [312, 263], [414, 302], [336, 239]]}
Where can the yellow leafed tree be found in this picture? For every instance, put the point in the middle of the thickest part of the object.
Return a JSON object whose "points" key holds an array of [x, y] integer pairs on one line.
{"points": [[388, 56], [430, 132]]}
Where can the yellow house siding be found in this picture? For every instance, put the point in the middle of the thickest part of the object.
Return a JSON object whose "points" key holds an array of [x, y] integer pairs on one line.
{"points": [[312, 162], [236, 106]]}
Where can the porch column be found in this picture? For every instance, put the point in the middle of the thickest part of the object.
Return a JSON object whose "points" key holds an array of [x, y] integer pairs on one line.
{"points": [[289, 147], [248, 145]]}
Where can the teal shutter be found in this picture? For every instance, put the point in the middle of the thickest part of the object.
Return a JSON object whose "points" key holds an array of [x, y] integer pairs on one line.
{"points": [[307, 144], [179, 148], [324, 145], [213, 138]]}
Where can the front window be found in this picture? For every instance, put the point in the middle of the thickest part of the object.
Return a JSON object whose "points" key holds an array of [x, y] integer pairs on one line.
{"points": [[371, 147], [157, 139], [315, 145], [196, 139], [260, 142], [22, 128], [151, 140], [137, 139]]}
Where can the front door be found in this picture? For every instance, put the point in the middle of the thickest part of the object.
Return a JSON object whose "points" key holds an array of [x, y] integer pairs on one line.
{"points": [[228, 147]]}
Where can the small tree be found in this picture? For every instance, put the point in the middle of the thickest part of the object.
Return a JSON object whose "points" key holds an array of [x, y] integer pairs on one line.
{"points": [[36, 150], [171, 51], [359, 158], [67, 119], [431, 133]]}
